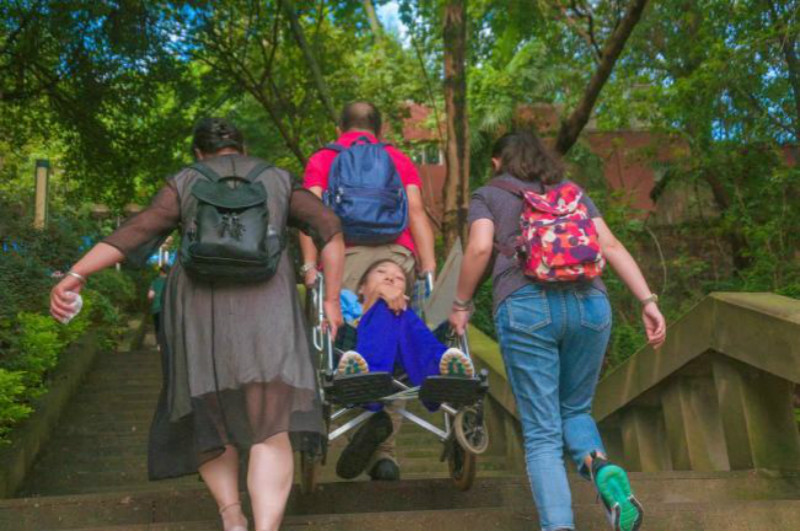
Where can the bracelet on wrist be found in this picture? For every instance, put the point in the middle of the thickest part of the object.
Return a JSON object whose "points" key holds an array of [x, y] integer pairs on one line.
{"points": [[458, 304], [308, 266], [80, 277], [650, 298]]}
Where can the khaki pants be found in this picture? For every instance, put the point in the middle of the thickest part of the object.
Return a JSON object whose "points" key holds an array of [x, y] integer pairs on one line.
{"points": [[356, 262], [358, 259]]}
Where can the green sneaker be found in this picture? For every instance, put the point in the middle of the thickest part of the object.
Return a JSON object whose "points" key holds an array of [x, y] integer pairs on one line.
{"points": [[624, 511]]}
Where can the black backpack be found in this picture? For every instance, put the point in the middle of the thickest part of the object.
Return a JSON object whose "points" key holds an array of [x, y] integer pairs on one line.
{"points": [[230, 238]]}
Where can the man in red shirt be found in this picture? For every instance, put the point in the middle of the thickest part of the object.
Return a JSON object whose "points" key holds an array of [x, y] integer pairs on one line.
{"points": [[413, 250]]}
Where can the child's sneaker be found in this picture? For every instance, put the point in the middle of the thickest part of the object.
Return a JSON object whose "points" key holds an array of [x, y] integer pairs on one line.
{"points": [[352, 363], [624, 511], [456, 363]]}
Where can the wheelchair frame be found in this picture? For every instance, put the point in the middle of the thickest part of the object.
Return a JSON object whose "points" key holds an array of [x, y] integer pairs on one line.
{"points": [[464, 434]]}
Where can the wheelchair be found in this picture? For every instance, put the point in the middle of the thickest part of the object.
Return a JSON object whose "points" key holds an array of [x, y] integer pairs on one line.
{"points": [[462, 430]]}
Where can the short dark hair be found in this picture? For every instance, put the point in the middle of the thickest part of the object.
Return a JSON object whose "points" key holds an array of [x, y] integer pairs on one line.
{"points": [[523, 155], [214, 134], [361, 115]]}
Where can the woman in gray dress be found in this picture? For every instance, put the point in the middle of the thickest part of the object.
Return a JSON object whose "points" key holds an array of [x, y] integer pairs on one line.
{"points": [[237, 365]]}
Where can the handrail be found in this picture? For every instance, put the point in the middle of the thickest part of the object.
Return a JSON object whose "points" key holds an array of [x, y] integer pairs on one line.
{"points": [[761, 330], [717, 396]]}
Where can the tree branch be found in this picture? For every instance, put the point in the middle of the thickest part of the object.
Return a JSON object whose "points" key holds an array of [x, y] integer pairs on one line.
{"points": [[374, 23], [572, 127], [563, 14], [322, 87]]}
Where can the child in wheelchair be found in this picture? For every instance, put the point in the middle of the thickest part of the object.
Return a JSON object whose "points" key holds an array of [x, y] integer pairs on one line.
{"points": [[383, 334], [391, 337]]}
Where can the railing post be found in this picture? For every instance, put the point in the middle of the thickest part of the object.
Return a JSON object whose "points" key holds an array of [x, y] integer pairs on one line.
{"points": [[758, 418], [644, 440], [693, 427], [42, 177]]}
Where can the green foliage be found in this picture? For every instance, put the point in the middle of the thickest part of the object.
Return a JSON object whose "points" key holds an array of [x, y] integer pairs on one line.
{"points": [[12, 407], [118, 289], [31, 341]]}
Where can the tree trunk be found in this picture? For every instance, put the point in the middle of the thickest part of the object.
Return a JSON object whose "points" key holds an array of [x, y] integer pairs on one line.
{"points": [[456, 185], [316, 72], [571, 128]]}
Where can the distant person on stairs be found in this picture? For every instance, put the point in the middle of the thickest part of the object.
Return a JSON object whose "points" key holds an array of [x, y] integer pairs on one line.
{"points": [[155, 294], [553, 318], [238, 373]]}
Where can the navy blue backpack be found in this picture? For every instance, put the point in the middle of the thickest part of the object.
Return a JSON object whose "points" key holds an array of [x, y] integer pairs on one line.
{"points": [[365, 191]]}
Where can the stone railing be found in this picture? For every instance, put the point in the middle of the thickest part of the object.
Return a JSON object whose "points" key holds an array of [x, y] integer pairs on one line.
{"points": [[717, 396]]}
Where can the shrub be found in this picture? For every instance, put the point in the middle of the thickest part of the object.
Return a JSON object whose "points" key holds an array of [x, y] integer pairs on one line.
{"points": [[31, 341], [117, 287], [12, 410]]}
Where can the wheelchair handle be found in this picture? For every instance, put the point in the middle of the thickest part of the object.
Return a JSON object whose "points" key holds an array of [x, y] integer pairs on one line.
{"points": [[463, 342], [321, 337], [428, 284]]}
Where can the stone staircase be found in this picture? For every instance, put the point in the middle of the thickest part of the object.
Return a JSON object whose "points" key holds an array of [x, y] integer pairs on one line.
{"points": [[92, 477]]}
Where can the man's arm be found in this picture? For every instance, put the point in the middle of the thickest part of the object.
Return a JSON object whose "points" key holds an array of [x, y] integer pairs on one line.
{"points": [[308, 249], [421, 230]]}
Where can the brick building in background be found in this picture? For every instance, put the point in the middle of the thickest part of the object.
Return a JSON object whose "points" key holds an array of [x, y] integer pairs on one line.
{"points": [[633, 161]]}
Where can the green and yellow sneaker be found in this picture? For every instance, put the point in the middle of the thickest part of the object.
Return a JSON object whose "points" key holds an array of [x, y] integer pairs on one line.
{"points": [[455, 363], [624, 511], [352, 363]]}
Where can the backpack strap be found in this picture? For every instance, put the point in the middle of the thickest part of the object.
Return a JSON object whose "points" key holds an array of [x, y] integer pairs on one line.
{"points": [[507, 186], [333, 146], [257, 170], [205, 171], [509, 251]]}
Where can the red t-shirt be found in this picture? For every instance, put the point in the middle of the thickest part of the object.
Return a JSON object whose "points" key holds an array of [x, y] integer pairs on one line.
{"points": [[319, 167]]}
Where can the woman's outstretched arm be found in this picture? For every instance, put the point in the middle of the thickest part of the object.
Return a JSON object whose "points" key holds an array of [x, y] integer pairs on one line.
{"points": [[155, 222], [98, 258], [628, 270], [476, 258]]}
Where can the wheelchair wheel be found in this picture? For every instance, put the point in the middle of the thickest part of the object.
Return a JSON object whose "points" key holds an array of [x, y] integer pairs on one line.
{"points": [[470, 430], [309, 468], [462, 465]]}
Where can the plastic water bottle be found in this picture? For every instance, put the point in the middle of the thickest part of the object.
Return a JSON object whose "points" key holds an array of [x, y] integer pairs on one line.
{"points": [[77, 304]]}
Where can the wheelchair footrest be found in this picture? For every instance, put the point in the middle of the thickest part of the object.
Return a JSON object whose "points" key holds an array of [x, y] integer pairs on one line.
{"points": [[360, 388], [454, 390]]}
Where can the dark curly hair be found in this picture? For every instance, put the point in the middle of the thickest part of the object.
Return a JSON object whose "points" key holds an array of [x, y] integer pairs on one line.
{"points": [[523, 155], [214, 134]]}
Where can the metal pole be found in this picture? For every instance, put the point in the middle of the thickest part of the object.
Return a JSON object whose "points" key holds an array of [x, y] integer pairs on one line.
{"points": [[41, 177]]}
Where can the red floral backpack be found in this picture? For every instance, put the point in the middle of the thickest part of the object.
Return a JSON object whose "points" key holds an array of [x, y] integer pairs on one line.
{"points": [[559, 240]]}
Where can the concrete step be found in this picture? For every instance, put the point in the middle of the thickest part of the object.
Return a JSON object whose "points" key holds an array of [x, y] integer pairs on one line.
{"points": [[188, 500], [779, 515], [88, 477]]}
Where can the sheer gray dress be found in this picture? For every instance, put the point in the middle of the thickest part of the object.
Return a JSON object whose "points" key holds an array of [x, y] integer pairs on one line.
{"points": [[236, 359]]}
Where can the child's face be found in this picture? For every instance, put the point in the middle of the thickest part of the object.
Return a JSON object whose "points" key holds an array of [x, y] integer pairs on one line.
{"points": [[386, 274]]}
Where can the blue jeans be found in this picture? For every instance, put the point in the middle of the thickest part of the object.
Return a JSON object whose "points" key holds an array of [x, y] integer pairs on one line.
{"points": [[553, 341]]}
